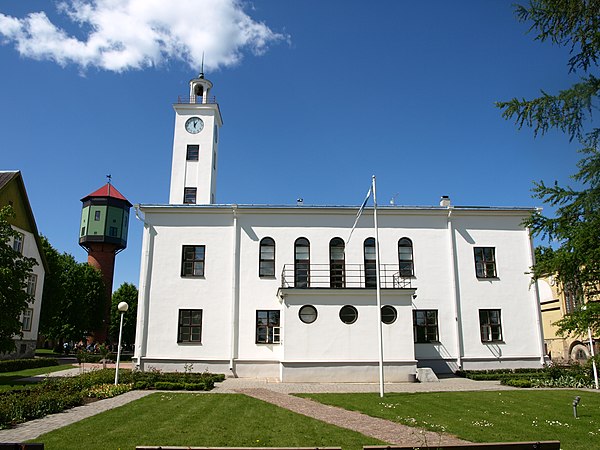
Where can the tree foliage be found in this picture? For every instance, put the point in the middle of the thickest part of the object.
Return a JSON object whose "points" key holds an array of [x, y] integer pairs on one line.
{"points": [[127, 293], [14, 273], [72, 299], [573, 235]]}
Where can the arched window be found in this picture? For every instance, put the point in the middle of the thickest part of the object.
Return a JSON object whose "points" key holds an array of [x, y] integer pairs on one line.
{"points": [[405, 257], [337, 266], [370, 263], [301, 263], [266, 263]]}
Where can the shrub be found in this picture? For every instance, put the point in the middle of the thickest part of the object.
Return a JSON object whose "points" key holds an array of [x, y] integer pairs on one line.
{"points": [[517, 382], [13, 365], [108, 390]]}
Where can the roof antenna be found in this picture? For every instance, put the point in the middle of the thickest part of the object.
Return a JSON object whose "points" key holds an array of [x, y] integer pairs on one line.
{"points": [[202, 67]]}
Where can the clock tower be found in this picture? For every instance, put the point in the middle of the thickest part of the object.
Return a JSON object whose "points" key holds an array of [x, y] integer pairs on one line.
{"points": [[195, 146]]}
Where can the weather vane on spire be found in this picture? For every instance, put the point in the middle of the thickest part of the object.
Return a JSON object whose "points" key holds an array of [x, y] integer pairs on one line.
{"points": [[109, 177], [202, 67]]}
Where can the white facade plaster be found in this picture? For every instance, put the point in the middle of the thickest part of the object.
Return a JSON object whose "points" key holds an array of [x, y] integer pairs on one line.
{"points": [[329, 349], [231, 291]]}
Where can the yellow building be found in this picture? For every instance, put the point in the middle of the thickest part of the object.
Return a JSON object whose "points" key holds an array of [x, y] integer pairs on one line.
{"points": [[555, 302]]}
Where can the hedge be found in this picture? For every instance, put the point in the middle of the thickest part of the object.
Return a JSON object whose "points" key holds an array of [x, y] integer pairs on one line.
{"points": [[14, 365], [57, 394]]}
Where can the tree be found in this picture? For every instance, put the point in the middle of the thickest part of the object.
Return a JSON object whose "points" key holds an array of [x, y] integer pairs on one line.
{"points": [[573, 236], [72, 299], [14, 273], [128, 293]]}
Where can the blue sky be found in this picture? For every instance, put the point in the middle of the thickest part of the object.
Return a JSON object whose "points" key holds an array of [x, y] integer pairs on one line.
{"points": [[316, 97]]}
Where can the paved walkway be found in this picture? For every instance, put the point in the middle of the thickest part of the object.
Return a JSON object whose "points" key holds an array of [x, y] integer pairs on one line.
{"points": [[278, 394]]}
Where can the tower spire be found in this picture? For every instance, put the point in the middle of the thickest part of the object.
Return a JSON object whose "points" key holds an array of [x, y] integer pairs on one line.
{"points": [[202, 67]]}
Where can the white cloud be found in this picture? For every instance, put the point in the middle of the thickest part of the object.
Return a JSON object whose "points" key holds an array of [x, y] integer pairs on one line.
{"points": [[134, 34]]}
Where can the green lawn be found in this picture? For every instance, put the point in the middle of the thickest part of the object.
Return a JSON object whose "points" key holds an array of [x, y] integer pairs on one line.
{"points": [[207, 420], [9, 379], [523, 415]]}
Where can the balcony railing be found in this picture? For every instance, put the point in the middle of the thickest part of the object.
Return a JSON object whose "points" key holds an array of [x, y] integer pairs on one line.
{"points": [[342, 276], [192, 99]]}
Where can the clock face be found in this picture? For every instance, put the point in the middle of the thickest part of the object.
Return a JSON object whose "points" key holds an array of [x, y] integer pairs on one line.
{"points": [[194, 125]]}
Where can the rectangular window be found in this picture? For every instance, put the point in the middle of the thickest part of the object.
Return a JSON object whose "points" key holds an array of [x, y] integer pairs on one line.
{"points": [[193, 151], [192, 261], [18, 242], [485, 262], [27, 319], [97, 216], [425, 325], [112, 231], [190, 325], [31, 284], [268, 330], [490, 324], [189, 195]]}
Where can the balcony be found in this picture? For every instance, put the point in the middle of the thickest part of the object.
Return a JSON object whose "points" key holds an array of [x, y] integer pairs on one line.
{"points": [[193, 99], [340, 276]]}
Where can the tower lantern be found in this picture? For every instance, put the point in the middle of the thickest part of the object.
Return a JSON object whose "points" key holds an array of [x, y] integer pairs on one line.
{"points": [[103, 234]]}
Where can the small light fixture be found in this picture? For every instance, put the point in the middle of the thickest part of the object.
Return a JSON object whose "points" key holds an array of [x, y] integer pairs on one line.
{"points": [[575, 403]]}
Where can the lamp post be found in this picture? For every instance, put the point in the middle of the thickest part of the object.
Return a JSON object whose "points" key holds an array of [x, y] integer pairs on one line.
{"points": [[591, 339], [123, 307]]}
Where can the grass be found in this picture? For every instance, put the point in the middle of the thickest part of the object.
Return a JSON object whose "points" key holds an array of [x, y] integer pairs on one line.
{"points": [[47, 352], [487, 416], [208, 420], [8, 380]]}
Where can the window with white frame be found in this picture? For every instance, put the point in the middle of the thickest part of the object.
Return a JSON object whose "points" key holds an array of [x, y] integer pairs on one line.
{"points": [[27, 319], [189, 328], [490, 325], [192, 264], [268, 329], [485, 262], [18, 242], [31, 284]]}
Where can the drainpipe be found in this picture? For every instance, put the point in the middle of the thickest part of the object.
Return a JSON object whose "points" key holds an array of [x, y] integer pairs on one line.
{"points": [[235, 292], [536, 295], [455, 287], [141, 331]]}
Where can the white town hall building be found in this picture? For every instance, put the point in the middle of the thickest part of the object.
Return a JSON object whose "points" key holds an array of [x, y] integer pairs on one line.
{"points": [[279, 292]]}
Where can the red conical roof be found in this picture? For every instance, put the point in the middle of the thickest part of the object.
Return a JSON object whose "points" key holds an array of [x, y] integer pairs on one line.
{"points": [[108, 190]]}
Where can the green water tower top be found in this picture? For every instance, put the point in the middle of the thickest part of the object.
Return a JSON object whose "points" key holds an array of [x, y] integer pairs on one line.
{"points": [[104, 219]]}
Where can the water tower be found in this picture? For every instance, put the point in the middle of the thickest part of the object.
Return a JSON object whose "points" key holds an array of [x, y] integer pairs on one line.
{"points": [[103, 234]]}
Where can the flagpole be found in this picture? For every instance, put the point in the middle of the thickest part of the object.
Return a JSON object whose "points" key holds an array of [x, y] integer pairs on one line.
{"points": [[378, 284]]}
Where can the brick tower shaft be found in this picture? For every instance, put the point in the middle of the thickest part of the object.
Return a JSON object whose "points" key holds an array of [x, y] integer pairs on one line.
{"points": [[102, 257]]}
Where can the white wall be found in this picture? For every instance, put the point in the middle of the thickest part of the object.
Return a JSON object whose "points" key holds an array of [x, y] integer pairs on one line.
{"points": [[328, 340]]}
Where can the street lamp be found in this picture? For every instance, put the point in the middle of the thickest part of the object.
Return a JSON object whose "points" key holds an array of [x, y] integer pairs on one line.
{"points": [[123, 307], [591, 339]]}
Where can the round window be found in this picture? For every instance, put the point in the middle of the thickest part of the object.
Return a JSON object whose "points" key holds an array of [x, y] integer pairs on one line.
{"points": [[388, 314], [308, 314], [348, 314]]}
